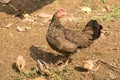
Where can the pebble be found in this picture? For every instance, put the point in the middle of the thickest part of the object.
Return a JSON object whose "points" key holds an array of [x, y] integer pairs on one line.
{"points": [[86, 9], [22, 29]]}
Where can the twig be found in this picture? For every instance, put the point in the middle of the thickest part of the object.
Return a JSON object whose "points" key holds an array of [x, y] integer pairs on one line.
{"points": [[110, 66], [106, 6], [13, 7]]}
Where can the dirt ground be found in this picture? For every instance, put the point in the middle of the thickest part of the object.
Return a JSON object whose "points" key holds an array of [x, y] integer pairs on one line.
{"points": [[31, 43]]}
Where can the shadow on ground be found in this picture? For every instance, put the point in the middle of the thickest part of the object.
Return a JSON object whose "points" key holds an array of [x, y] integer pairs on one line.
{"points": [[80, 69], [28, 6], [37, 53]]}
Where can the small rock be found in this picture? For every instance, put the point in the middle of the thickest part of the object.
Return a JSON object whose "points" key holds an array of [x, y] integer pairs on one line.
{"points": [[27, 17], [111, 75], [103, 10], [8, 25], [5, 1], [86, 9], [22, 29], [43, 15], [106, 32], [103, 36], [40, 78]]}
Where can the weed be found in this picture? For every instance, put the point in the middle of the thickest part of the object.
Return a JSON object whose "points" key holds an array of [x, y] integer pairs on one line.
{"points": [[86, 3], [24, 75], [30, 74], [62, 74], [116, 47], [118, 78], [118, 30], [55, 76], [103, 1], [97, 53], [114, 13]]}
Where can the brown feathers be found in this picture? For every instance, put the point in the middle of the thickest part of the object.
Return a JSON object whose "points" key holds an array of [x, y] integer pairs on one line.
{"points": [[68, 40]]}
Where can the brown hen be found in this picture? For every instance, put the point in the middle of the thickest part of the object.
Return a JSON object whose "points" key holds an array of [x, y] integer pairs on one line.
{"points": [[66, 40]]}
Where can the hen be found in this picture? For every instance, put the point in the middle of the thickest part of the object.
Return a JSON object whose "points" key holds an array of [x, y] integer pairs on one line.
{"points": [[66, 40]]}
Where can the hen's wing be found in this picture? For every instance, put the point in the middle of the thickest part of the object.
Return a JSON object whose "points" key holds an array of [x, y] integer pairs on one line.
{"points": [[78, 37], [85, 37], [56, 38]]}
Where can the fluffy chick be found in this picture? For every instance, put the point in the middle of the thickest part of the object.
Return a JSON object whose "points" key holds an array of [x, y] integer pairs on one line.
{"points": [[20, 63], [43, 67]]}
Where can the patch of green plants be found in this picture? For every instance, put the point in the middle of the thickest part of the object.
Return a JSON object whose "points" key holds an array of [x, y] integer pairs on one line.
{"points": [[55, 76], [86, 3], [23, 75], [62, 74], [114, 13], [118, 78], [58, 74], [116, 47], [118, 30], [103, 1], [97, 53]]}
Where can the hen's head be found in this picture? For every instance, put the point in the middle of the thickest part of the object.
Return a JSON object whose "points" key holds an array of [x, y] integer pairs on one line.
{"points": [[60, 13]]}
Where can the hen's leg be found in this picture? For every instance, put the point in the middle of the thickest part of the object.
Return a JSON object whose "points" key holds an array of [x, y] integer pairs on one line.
{"points": [[63, 64], [59, 62]]}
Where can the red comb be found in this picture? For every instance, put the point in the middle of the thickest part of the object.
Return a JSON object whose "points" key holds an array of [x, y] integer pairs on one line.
{"points": [[60, 13]]}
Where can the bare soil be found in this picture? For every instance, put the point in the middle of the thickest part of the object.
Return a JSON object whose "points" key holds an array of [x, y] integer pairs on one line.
{"points": [[31, 43]]}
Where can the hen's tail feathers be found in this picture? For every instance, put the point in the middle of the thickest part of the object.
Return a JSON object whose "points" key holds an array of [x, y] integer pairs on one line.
{"points": [[94, 28]]}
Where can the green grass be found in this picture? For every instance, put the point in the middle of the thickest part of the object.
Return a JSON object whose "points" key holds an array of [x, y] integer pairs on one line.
{"points": [[97, 53], [103, 1], [118, 30], [114, 13], [116, 47], [86, 3], [62, 74], [55, 76], [58, 74], [21, 76]]}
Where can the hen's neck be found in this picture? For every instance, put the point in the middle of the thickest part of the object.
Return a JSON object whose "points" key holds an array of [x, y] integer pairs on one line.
{"points": [[55, 19]]}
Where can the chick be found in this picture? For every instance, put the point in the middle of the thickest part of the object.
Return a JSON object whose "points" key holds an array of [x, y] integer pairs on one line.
{"points": [[91, 65], [43, 67], [20, 63]]}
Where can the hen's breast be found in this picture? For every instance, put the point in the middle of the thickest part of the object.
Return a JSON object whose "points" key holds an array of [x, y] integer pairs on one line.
{"points": [[56, 38]]}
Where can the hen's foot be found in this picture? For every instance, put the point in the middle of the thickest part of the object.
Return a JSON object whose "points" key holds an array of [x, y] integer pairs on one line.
{"points": [[61, 64]]}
